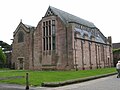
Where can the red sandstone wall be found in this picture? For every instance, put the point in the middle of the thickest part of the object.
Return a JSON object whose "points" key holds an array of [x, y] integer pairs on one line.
{"points": [[21, 49]]}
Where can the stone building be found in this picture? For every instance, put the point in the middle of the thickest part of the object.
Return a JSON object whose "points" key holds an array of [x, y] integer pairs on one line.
{"points": [[22, 46], [61, 41]]}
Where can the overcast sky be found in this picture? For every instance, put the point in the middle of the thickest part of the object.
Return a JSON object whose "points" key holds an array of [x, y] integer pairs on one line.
{"points": [[105, 14]]}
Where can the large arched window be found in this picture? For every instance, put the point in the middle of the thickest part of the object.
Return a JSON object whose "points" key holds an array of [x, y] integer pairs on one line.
{"points": [[49, 37], [20, 37]]}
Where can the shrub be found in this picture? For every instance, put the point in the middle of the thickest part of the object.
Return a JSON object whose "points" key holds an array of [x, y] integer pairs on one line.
{"points": [[2, 57]]}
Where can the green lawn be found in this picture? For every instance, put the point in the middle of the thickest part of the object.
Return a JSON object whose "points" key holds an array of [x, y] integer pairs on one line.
{"points": [[37, 77]]}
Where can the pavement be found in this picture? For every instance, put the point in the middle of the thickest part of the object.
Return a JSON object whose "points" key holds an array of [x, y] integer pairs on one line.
{"points": [[46, 85], [18, 87], [11, 87], [106, 83]]}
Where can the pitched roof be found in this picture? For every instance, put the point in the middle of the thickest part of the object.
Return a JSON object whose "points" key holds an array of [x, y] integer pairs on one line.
{"points": [[66, 17], [26, 27], [29, 26], [98, 37]]}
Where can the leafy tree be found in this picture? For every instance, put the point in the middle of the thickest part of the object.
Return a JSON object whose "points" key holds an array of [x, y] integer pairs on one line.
{"points": [[116, 50], [2, 57]]}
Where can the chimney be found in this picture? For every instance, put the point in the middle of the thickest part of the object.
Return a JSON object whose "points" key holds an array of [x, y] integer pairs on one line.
{"points": [[110, 39]]}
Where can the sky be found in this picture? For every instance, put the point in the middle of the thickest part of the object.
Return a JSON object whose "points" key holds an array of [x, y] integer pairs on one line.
{"points": [[105, 14]]}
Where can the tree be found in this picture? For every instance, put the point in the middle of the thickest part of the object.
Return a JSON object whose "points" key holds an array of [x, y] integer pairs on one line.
{"points": [[2, 57]]}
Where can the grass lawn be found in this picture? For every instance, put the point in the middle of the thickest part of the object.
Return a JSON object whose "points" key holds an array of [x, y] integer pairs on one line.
{"points": [[37, 77]]}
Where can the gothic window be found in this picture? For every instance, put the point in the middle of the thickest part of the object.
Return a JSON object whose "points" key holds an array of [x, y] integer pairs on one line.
{"points": [[20, 37], [49, 35]]}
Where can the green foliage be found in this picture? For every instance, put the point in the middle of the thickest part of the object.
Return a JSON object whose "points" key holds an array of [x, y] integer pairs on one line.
{"points": [[116, 50], [37, 77], [2, 57]]}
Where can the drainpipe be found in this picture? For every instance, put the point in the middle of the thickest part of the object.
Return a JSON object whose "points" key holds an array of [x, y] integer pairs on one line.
{"points": [[82, 55], [96, 55], [99, 56], [90, 55], [103, 57], [75, 56], [110, 51], [66, 45], [33, 49]]}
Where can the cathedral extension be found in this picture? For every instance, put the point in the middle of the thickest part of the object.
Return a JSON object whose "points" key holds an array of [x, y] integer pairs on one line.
{"points": [[60, 41]]}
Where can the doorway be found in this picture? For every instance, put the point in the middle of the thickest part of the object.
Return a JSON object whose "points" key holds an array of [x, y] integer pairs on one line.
{"points": [[21, 63]]}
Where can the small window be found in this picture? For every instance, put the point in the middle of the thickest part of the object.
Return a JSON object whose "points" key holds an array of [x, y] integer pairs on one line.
{"points": [[43, 23], [20, 37]]}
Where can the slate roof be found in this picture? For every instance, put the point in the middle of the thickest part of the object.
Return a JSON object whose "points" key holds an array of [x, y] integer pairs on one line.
{"points": [[66, 17], [98, 37], [29, 26]]}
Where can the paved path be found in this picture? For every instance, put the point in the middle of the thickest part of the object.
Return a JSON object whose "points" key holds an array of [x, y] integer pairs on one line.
{"points": [[18, 87], [107, 83]]}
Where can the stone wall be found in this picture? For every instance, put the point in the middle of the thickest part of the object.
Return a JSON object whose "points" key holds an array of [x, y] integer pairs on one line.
{"points": [[71, 52], [89, 54], [58, 57], [22, 49]]}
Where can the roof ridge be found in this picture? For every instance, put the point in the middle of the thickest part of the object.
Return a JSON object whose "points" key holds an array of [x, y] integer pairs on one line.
{"points": [[70, 17]]}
